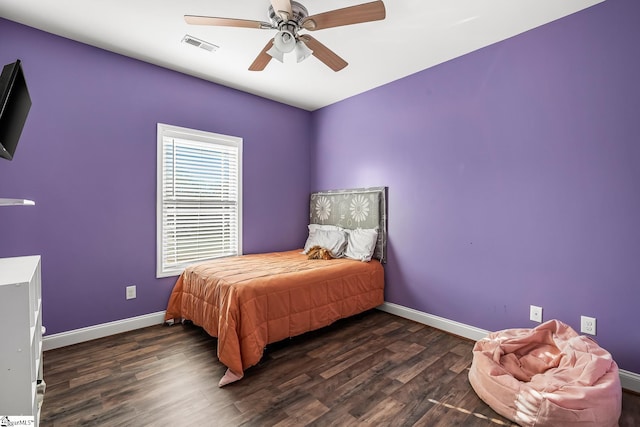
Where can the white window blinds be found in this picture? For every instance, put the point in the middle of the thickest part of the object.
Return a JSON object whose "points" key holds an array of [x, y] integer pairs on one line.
{"points": [[199, 197]]}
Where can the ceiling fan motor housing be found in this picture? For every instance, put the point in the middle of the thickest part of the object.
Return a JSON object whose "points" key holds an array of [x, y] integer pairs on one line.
{"points": [[292, 24]]}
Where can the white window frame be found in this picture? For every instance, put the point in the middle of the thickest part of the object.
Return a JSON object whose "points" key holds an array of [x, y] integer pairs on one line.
{"points": [[166, 133]]}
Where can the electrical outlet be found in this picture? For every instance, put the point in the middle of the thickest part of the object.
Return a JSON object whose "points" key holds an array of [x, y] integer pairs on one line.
{"points": [[131, 292], [588, 325], [535, 313]]}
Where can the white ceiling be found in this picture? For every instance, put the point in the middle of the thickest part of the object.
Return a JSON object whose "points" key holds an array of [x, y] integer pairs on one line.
{"points": [[416, 34]]}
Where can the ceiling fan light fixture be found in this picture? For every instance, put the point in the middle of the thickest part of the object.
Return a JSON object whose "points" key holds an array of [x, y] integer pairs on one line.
{"points": [[284, 41], [276, 53], [302, 51]]}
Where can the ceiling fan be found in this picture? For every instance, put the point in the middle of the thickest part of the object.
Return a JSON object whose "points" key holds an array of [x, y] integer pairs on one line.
{"points": [[289, 18]]}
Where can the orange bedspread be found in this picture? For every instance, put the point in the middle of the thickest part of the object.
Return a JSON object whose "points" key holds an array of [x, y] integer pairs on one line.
{"points": [[253, 300]]}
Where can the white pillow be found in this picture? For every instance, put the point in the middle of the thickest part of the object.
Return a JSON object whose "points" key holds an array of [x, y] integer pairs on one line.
{"points": [[333, 240], [361, 243], [324, 227], [312, 228]]}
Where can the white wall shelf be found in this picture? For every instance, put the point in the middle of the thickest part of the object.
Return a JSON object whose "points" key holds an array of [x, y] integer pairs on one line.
{"points": [[16, 202]]}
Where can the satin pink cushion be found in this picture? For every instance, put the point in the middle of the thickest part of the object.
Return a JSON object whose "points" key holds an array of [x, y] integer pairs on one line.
{"points": [[547, 376]]}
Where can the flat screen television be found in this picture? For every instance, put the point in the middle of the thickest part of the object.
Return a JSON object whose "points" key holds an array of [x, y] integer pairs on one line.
{"points": [[15, 104]]}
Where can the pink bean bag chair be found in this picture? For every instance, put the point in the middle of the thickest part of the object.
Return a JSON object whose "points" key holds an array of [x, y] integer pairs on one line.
{"points": [[547, 376]]}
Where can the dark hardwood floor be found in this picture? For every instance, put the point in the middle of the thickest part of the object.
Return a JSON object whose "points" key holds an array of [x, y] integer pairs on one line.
{"points": [[373, 369]]}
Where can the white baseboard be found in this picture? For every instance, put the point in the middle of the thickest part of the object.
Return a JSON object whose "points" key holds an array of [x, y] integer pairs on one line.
{"points": [[629, 380], [441, 323], [76, 336]]}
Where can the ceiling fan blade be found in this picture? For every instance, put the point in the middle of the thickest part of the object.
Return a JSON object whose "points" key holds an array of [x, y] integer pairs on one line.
{"points": [[226, 22], [282, 8], [262, 59], [367, 12], [324, 54]]}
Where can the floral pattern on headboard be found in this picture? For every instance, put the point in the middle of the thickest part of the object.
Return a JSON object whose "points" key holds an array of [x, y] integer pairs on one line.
{"points": [[353, 208]]}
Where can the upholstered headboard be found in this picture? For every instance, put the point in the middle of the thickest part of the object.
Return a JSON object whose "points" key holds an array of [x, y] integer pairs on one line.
{"points": [[353, 208]]}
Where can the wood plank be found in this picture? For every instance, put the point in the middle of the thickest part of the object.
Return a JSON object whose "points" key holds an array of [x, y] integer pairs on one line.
{"points": [[372, 369]]}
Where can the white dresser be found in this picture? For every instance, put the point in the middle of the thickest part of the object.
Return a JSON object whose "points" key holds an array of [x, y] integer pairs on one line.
{"points": [[20, 336]]}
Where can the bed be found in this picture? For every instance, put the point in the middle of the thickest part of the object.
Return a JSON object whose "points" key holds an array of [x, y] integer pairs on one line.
{"points": [[250, 301]]}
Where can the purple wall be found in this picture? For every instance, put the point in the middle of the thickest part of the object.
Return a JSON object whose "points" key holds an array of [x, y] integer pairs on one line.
{"points": [[87, 156], [514, 177]]}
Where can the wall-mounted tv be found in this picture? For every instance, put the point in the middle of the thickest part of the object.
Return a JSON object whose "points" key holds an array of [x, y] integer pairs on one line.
{"points": [[15, 104]]}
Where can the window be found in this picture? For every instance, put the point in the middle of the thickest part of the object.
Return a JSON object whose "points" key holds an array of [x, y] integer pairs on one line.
{"points": [[199, 194]]}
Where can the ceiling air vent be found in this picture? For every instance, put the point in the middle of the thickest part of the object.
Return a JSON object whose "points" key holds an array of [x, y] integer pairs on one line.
{"points": [[209, 47]]}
